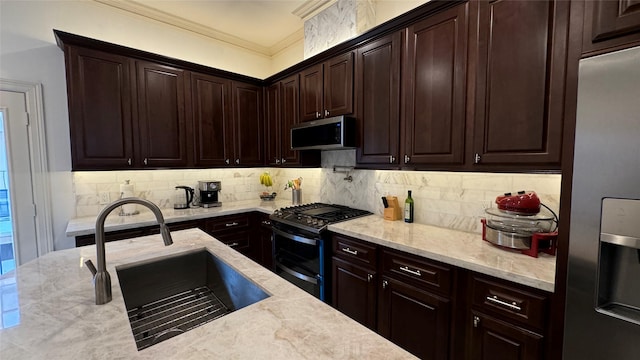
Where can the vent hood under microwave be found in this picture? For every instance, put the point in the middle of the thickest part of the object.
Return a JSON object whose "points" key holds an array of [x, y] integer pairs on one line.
{"points": [[326, 134]]}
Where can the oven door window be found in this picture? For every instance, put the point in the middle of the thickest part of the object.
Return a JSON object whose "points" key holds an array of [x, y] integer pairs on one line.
{"points": [[299, 260]]}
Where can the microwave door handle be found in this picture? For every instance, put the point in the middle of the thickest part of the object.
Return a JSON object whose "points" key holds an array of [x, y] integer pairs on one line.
{"points": [[297, 238]]}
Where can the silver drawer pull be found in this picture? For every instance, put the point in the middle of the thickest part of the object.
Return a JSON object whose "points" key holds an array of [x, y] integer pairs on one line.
{"points": [[231, 224], [513, 305], [349, 251], [234, 244], [266, 222], [412, 272]]}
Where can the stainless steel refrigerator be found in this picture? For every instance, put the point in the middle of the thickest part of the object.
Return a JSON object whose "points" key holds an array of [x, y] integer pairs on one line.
{"points": [[603, 289]]}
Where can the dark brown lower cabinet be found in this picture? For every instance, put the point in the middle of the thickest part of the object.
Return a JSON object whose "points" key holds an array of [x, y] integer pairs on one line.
{"points": [[84, 240], [414, 319], [355, 291], [265, 238], [496, 339]]}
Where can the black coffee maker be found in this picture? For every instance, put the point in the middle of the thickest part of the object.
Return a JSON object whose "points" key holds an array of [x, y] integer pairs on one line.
{"points": [[209, 193]]}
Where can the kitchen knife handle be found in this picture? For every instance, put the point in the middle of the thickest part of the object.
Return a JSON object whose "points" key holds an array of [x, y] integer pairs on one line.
{"points": [[385, 202]]}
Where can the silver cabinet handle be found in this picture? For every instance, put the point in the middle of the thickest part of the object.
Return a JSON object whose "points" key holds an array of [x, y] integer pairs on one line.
{"points": [[369, 277], [233, 244], [318, 115], [497, 301], [129, 161], [349, 251], [391, 159], [231, 224], [266, 222], [284, 160], [145, 161], [412, 272], [385, 283], [226, 161], [277, 161], [477, 158], [476, 321], [237, 161], [406, 159], [326, 113]]}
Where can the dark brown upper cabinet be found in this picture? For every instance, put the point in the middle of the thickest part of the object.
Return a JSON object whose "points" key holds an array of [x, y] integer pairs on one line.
{"points": [[100, 109], [326, 89], [161, 115], [434, 84], [212, 119], [610, 25], [281, 112], [519, 82], [248, 126], [378, 100]]}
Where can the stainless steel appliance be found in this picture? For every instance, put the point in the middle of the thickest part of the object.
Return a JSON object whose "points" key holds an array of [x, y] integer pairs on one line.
{"points": [[209, 193], [518, 223], [301, 245], [602, 318], [182, 197], [327, 134]]}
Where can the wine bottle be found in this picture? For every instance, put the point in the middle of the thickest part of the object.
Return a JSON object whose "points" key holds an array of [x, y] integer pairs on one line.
{"points": [[408, 209]]}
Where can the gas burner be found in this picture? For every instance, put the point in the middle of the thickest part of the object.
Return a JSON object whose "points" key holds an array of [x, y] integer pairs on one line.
{"points": [[315, 217]]}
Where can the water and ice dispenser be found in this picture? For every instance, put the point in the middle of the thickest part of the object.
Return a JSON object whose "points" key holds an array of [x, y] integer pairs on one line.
{"points": [[618, 292]]}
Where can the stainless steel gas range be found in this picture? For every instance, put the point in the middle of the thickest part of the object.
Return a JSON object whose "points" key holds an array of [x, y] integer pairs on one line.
{"points": [[299, 237]]}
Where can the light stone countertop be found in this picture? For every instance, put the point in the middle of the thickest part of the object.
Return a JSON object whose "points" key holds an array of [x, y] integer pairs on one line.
{"points": [[59, 319], [458, 248], [86, 225]]}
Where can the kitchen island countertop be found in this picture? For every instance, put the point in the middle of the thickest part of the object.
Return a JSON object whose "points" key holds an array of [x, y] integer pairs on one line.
{"points": [[58, 318]]}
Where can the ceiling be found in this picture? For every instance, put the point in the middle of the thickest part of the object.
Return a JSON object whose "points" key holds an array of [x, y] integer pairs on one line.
{"points": [[263, 26]]}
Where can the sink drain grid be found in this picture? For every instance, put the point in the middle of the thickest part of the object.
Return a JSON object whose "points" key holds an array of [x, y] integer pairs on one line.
{"points": [[174, 315]]}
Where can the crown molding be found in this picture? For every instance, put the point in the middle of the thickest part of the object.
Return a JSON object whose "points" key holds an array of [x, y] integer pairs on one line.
{"points": [[312, 7], [182, 23]]}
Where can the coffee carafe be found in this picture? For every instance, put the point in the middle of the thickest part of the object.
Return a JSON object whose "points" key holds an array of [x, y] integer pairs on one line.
{"points": [[183, 197], [209, 193]]}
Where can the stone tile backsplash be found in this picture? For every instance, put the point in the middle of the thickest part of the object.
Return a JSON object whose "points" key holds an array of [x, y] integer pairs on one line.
{"points": [[454, 200]]}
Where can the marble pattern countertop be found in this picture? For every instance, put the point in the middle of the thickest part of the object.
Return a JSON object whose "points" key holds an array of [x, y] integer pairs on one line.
{"points": [[458, 248], [86, 225], [59, 319]]}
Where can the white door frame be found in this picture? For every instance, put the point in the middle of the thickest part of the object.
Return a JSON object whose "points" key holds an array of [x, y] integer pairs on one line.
{"points": [[38, 159]]}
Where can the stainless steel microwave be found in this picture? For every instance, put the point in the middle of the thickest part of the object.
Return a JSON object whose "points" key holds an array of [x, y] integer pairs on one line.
{"points": [[334, 133]]}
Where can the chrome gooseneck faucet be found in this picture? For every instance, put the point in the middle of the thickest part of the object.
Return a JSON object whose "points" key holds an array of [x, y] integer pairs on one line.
{"points": [[101, 278]]}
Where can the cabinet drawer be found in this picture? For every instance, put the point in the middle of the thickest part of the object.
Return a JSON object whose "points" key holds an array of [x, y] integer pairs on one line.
{"points": [[227, 223], [353, 249], [419, 271], [236, 240], [509, 300]]}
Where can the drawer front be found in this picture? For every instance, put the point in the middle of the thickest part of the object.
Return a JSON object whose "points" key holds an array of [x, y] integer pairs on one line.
{"points": [[227, 223], [236, 240], [509, 300], [421, 272], [353, 249]]}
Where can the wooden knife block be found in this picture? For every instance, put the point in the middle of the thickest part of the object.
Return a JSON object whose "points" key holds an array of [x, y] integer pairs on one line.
{"points": [[393, 212]]}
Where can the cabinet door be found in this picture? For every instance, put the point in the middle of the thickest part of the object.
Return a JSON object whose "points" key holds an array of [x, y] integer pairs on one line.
{"points": [[211, 104], [272, 124], [492, 337], [611, 23], [434, 88], [378, 100], [520, 82], [100, 109], [289, 115], [248, 127], [161, 115], [311, 86], [414, 319], [354, 292], [338, 85], [266, 243]]}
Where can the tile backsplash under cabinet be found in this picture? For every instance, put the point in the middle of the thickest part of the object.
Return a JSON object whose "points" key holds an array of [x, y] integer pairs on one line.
{"points": [[454, 200]]}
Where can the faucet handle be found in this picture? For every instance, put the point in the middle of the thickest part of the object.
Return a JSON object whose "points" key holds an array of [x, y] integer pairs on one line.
{"points": [[90, 266]]}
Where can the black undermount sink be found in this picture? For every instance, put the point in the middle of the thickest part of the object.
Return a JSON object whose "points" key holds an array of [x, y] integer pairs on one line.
{"points": [[170, 295]]}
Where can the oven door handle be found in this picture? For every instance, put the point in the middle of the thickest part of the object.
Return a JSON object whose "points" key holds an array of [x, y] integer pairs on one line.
{"points": [[300, 276], [297, 238]]}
